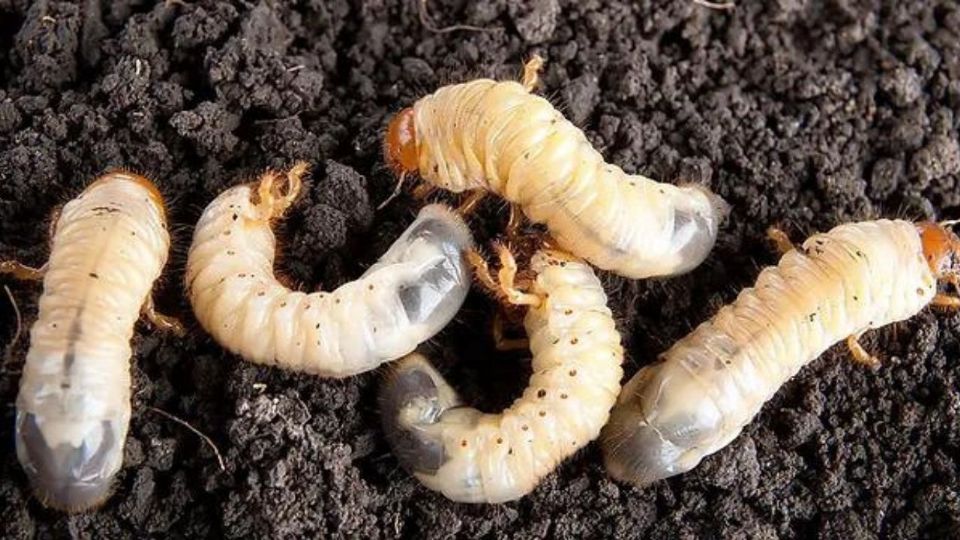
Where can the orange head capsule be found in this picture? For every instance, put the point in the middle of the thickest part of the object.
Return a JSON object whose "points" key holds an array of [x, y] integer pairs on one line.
{"points": [[401, 149], [941, 248]]}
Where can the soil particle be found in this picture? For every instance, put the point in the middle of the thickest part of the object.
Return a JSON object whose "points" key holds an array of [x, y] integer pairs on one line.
{"points": [[199, 26], [209, 126], [800, 114], [797, 427], [47, 42], [885, 177], [581, 96], [738, 472], [939, 158], [252, 71], [338, 213], [535, 21], [903, 85]]}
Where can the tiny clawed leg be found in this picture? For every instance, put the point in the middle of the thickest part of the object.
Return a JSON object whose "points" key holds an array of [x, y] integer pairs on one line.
{"points": [[503, 287], [780, 240], [396, 191], [946, 301], [482, 272], [531, 72], [471, 201], [515, 222], [22, 271], [860, 355], [160, 321], [54, 220], [277, 191], [507, 275], [29, 273]]}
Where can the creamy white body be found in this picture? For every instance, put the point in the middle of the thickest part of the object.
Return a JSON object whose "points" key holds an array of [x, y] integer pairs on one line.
{"points": [[471, 456], [73, 409], [403, 300], [710, 384], [497, 136]]}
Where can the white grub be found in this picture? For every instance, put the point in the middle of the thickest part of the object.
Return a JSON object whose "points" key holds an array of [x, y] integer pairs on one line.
{"points": [[408, 296], [109, 245], [710, 384], [475, 457], [498, 137]]}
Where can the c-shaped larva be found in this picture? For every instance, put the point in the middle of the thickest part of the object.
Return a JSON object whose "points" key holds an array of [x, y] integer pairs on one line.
{"points": [[108, 247], [710, 384], [470, 456], [497, 136], [409, 295]]}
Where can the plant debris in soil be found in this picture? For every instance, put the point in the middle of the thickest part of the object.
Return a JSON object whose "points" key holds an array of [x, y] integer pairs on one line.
{"points": [[801, 114]]}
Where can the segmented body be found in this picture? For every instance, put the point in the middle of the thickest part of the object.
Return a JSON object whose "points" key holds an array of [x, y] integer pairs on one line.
{"points": [[711, 383], [470, 456], [73, 409], [403, 300], [497, 136]]}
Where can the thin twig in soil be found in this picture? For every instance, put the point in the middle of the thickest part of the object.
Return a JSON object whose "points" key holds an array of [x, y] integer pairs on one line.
{"points": [[715, 5], [425, 21], [8, 352], [199, 433]]}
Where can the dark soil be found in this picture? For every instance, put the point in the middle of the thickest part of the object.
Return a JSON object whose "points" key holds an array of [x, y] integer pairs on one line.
{"points": [[801, 113]]}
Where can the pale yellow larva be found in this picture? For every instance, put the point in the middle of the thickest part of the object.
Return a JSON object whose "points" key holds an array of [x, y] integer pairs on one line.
{"points": [[73, 410], [497, 136], [474, 457], [409, 295], [710, 384]]}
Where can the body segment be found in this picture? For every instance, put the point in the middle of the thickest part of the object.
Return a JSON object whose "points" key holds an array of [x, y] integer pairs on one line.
{"points": [[73, 409], [404, 299], [710, 384], [497, 136], [471, 456]]}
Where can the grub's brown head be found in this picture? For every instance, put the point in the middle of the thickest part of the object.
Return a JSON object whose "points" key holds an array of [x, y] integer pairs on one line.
{"points": [[941, 248], [400, 147]]}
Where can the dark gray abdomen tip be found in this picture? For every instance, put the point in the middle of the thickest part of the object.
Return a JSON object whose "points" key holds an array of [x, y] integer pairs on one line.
{"points": [[65, 477], [436, 295], [635, 452], [415, 449], [431, 297]]}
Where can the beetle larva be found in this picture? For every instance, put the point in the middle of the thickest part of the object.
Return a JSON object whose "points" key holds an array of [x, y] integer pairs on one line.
{"points": [[470, 456], [409, 295], [710, 384], [108, 247], [497, 136]]}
